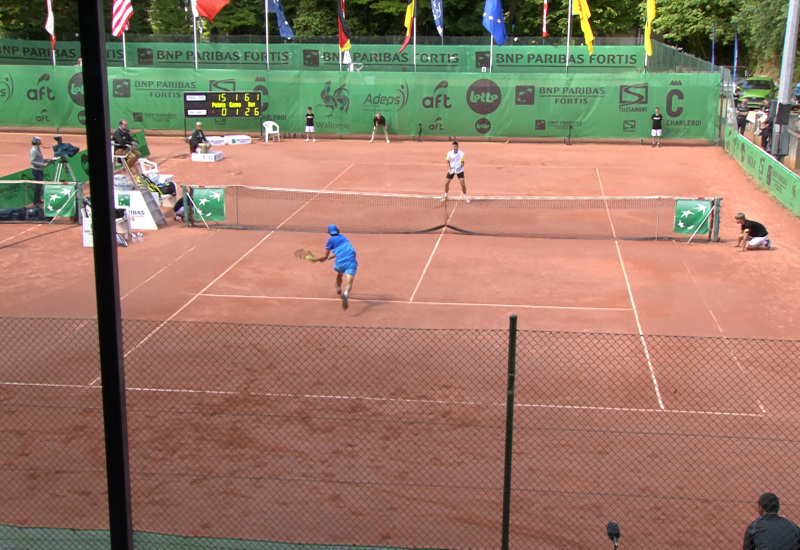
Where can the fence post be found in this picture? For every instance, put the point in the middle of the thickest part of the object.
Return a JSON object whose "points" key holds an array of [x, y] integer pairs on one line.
{"points": [[512, 358]]}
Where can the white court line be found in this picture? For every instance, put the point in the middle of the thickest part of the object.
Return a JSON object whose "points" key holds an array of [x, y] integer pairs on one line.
{"points": [[427, 264], [397, 400], [221, 275], [630, 296], [12, 237], [368, 301], [154, 275], [724, 337]]}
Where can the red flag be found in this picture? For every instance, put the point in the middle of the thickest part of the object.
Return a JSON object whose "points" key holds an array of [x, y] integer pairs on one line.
{"points": [[50, 25], [409, 23], [121, 16], [344, 28], [210, 8]]}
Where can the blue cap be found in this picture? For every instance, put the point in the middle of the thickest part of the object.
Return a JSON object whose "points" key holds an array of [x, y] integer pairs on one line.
{"points": [[333, 230]]}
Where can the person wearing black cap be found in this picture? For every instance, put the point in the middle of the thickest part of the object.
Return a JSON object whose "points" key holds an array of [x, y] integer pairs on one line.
{"points": [[38, 162], [770, 531], [345, 265]]}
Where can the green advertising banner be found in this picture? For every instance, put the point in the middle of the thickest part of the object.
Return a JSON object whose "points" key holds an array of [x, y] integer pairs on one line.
{"points": [[15, 195], [59, 200], [598, 106], [781, 182], [325, 57]]}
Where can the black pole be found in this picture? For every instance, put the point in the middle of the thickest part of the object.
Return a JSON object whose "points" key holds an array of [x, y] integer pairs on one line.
{"points": [[109, 322], [512, 362]]}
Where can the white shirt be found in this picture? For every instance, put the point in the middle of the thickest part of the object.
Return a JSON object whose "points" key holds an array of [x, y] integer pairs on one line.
{"points": [[455, 161]]}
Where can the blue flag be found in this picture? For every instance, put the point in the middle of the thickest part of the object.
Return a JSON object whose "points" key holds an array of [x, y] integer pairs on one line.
{"points": [[438, 16], [274, 6], [493, 21]]}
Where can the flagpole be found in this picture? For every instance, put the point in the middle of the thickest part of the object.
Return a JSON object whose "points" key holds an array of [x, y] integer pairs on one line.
{"points": [[194, 37], [53, 52], [569, 35], [415, 36], [124, 53], [266, 31], [491, 49]]}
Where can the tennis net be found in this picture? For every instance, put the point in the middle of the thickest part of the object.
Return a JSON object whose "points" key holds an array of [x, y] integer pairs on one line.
{"points": [[624, 218]]}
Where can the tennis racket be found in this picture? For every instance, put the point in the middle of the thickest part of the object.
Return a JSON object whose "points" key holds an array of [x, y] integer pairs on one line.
{"points": [[304, 254]]}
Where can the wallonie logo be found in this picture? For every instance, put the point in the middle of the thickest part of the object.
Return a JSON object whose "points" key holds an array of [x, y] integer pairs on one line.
{"points": [[484, 96]]}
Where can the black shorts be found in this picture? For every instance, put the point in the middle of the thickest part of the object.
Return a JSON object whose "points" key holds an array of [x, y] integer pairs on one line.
{"points": [[460, 175]]}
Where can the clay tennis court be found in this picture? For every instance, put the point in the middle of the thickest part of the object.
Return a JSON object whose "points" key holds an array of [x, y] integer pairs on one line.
{"points": [[643, 290]]}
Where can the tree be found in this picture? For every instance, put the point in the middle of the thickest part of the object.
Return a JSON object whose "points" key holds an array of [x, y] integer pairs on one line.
{"points": [[688, 23], [762, 26]]}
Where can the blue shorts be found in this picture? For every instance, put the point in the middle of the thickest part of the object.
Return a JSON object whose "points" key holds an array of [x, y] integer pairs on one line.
{"points": [[348, 267]]}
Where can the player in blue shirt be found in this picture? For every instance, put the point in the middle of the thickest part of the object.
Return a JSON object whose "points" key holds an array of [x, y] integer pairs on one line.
{"points": [[345, 264]]}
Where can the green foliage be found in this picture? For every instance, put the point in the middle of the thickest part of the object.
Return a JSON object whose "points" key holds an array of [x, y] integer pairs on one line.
{"points": [[689, 23], [762, 26]]}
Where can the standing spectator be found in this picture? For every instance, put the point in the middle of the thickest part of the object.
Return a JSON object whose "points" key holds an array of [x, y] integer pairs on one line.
{"points": [[310, 125], [455, 167], [656, 131], [761, 114], [742, 111], [38, 163], [770, 531], [766, 132], [753, 234], [198, 137], [379, 120], [122, 141]]}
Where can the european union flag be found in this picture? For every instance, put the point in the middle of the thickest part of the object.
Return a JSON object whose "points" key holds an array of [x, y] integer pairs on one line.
{"points": [[274, 6], [493, 21]]}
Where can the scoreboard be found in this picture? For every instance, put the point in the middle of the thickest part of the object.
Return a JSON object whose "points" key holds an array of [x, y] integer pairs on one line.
{"points": [[221, 104]]}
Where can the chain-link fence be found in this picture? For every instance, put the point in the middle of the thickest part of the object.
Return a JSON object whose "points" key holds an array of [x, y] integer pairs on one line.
{"points": [[249, 436]]}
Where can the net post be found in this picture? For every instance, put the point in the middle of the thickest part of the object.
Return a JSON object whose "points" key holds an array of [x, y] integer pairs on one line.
{"points": [[512, 359], [186, 209], [717, 205]]}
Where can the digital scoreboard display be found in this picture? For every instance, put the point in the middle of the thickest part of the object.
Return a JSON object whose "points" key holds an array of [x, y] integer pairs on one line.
{"points": [[221, 104]]}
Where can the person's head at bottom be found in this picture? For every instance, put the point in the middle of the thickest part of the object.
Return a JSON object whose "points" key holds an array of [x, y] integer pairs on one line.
{"points": [[740, 218], [769, 503], [333, 230], [198, 125]]}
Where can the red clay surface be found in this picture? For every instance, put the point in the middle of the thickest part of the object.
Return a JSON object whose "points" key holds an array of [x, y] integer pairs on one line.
{"points": [[434, 281]]}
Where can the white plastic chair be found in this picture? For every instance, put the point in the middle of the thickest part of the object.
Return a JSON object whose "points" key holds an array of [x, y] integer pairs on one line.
{"points": [[271, 128]]}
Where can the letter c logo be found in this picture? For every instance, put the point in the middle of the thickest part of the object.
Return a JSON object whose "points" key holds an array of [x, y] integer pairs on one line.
{"points": [[674, 111]]}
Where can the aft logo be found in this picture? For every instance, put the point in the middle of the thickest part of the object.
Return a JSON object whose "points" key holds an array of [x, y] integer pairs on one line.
{"points": [[525, 95], [436, 125], [41, 91], [484, 96], [633, 98], [439, 97]]}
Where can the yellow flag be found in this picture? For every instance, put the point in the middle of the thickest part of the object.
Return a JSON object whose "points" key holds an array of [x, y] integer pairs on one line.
{"points": [[648, 28], [581, 8]]}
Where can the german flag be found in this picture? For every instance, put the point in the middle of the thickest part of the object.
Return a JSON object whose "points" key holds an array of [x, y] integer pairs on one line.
{"points": [[411, 14], [344, 28]]}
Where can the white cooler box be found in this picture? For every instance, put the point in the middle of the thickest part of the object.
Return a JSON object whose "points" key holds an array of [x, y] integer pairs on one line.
{"points": [[216, 140], [211, 156]]}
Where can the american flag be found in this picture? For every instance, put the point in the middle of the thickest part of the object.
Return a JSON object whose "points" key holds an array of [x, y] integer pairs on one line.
{"points": [[123, 11]]}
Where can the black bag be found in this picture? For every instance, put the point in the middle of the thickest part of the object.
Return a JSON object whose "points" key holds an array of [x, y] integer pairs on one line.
{"points": [[34, 213], [12, 214]]}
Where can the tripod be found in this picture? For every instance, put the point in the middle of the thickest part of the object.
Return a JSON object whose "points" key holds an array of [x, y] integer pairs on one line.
{"points": [[62, 162]]}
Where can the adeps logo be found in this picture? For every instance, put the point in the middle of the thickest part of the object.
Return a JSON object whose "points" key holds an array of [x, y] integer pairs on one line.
{"points": [[6, 88], [397, 100], [439, 98], [484, 96], [42, 90], [75, 89]]}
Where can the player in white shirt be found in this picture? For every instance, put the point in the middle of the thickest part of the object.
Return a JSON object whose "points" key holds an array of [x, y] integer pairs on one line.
{"points": [[455, 168]]}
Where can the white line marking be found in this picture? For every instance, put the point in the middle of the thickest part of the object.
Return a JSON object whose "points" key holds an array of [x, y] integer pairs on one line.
{"points": [[12, 237], [366, 300], [633, 303], [154, 275], [427, 264], [396, 400]]}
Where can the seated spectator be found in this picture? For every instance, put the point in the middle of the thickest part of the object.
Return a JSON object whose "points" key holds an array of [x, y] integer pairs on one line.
{"points": [[770, 531]]}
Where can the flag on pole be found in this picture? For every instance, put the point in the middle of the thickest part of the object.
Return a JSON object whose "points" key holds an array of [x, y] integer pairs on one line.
{"points": [[344, 28], [410, 15], [210, 8], [59, 200], [283, 25], [438, 16], [692, 216], [493, 21], [544, 19], [120, 17], [581, 8], [50, 25], [648, 28]]}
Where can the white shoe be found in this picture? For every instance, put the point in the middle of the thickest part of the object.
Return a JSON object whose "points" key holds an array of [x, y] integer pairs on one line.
{"points": [[444, 198], [370, 141], [314, 140], [306, 139], [466, 198], [387, 141]]}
